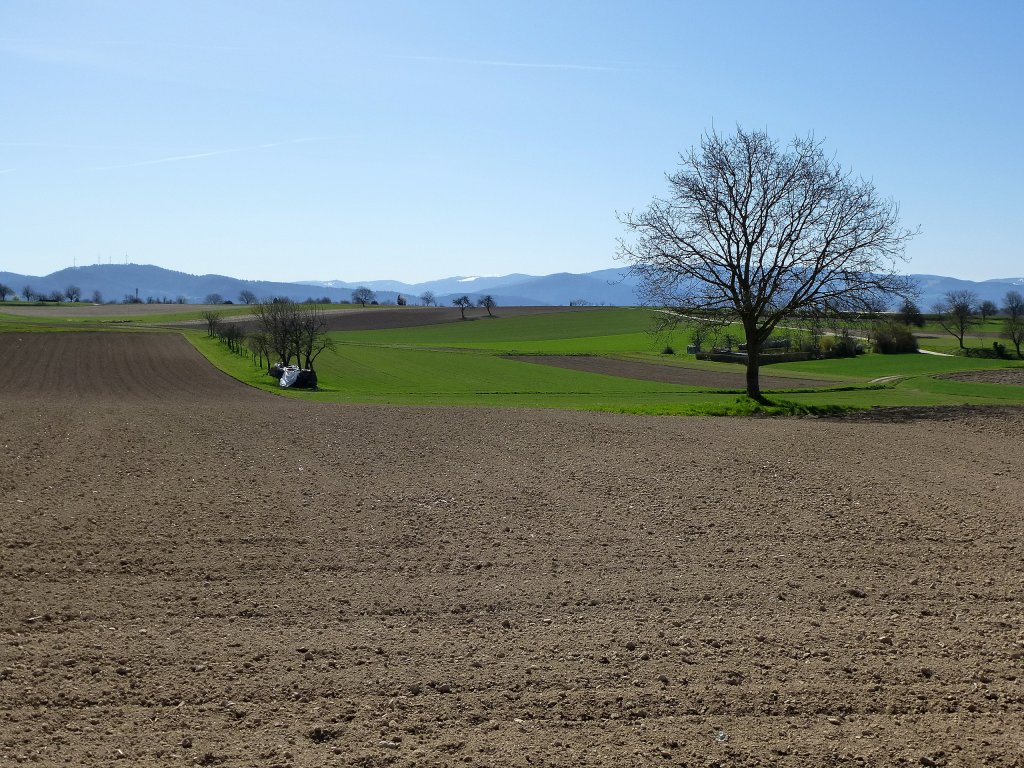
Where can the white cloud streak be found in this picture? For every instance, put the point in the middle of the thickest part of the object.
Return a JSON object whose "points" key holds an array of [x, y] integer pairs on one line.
{"points": [[517, 64], [212, 153]]}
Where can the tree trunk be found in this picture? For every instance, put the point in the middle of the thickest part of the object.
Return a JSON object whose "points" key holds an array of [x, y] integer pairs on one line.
{"points": [[753, 371]]}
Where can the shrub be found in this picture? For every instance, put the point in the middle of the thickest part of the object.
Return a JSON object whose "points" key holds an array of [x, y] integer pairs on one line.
{"points": [[997, 352], [668, 350], [847, 346], [892, 338]]}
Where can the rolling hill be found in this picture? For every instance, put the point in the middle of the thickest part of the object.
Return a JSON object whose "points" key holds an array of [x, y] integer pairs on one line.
{"points": [[612, 287]]}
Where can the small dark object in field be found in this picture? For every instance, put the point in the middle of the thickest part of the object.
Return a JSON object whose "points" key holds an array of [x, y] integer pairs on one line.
{"points": [[668, 350], [305, 380]]}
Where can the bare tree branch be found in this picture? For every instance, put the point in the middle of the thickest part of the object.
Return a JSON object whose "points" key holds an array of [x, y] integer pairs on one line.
{"points": [[753, 232]]}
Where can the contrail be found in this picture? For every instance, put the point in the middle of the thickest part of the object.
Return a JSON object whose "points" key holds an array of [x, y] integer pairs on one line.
{"points": [[517, 64], [213, 153]]}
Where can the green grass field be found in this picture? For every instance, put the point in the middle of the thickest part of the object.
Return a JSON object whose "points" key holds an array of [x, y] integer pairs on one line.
{"points": [[467, 363], [873, 366]]}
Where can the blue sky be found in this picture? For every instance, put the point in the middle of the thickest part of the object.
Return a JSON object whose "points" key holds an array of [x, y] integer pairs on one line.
{"points": [[415, 140]]}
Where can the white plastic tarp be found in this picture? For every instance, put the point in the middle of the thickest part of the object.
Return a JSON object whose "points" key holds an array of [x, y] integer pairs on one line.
{"points": [[291, 373]]}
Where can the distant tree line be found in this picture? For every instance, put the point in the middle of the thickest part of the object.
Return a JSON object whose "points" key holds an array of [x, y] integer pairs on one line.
{"points": [[960, 311], [362, 295]]}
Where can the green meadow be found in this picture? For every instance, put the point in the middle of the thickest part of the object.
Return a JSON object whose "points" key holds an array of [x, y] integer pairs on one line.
{"points": [[469, 363]]}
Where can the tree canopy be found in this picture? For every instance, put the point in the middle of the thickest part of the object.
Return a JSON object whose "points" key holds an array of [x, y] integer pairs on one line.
{"points": [[487, 302], [755, 232], [957, 311], [363, 295], [291, 330], [463, 302]]}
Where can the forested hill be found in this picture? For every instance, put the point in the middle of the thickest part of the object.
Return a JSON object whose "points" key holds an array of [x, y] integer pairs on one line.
{"points": [[613, 287]]}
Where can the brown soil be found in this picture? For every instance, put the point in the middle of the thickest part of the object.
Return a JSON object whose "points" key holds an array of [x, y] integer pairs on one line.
{"points": [[1013, 376], [408, 317], [200, 574], [353, 319], [64, 368], [671, 374], [374, 319], [103, 310]]}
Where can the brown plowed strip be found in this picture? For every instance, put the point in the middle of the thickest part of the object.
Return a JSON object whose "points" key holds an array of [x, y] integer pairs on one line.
{"points": [[104, 310], [1014, 376], [671, 374], [140, 367], [358, 319], [410, 317], [259, 581]]}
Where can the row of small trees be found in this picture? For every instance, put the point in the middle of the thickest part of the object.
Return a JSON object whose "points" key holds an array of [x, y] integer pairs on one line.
{"points": [[463, 302], [73, 293], [28, 293], [285, 331], [361, 295]]}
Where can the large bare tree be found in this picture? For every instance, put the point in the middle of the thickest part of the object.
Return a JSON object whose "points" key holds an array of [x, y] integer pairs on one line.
{"points": [[754, 232]]}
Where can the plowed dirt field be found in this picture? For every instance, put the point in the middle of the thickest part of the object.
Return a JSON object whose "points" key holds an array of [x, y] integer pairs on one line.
{"points": [[374, 319], [672, 374], [1014, 376], [195, 573]]}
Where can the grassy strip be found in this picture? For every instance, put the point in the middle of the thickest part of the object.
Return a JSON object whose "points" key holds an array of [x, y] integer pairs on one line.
{"points": [[23, 324], [873, 366], [403, 376]]}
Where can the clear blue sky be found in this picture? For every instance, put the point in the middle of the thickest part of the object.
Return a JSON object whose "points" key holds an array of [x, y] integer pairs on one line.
{"points": [[414, 140]]}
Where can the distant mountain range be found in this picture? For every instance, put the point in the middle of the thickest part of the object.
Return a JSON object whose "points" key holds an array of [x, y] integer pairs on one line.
{"points": [[116, 282], [607, 286], [612, 287]]}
